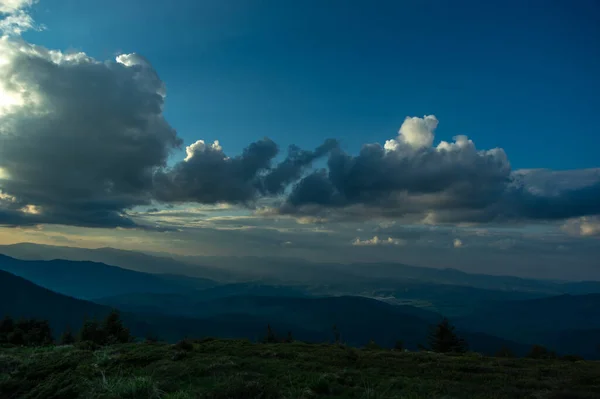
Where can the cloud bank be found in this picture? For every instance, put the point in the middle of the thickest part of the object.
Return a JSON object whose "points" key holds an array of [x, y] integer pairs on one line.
{"points": [[84, 142]]}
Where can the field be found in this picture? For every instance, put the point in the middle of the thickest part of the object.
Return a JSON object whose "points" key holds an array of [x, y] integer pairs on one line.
{"points": [[241, 369]]}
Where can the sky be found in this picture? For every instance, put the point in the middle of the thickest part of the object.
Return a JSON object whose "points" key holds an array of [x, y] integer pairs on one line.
{"points": [[435, 133]]}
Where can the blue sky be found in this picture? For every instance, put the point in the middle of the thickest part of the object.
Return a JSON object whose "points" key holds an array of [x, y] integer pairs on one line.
{"points": [[521, 75]]}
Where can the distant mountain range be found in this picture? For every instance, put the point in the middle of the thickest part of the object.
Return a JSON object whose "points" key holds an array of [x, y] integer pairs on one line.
{"points": [[563, 316], [348, 277], [89, 280], [358, 319]]}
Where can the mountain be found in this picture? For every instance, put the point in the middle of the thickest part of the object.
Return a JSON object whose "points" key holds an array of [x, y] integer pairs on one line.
{"points": [[276, 270], [569, 323], [358, 319], [88, 280], [22, 298], [131, 260]]}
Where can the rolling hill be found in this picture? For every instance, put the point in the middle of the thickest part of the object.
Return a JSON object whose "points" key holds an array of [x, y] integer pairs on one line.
{"points": [[86, 280], [359, 320]]}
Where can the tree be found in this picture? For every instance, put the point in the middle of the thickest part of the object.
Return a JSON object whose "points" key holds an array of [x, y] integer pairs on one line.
{"points": [[443, 339], [67, 337], [114, 330], [91, 331], [7, 326], [36, 332], [399, 346], [336, 334], [270, 338], [290, 338]]}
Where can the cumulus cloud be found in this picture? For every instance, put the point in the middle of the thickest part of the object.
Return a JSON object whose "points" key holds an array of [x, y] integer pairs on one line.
{"points": [[377, 241], [452, 182], [415, 133], [207, 175], [79, 139], [400, 179]]}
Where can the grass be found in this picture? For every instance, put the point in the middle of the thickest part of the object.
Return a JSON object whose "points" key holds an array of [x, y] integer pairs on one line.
{"points": [[236, 369]]}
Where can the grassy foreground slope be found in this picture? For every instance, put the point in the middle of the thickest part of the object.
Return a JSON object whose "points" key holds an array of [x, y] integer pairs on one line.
{"points": [[240, 369]]}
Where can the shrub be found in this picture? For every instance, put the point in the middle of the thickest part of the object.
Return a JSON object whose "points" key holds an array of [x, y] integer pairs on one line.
{"points": [[571, 358], [139, 387], [185, 345], [399, 346], [87, 345], [372, 346], [505, 352], [540, 352]]}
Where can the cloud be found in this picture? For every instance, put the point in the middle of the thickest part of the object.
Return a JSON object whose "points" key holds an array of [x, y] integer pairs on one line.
{"points": [[457, 243], [85, 143], [14, 19], [290, 170], [405, 177], [586, 226], [377, 241], [207, 175], [453, 182], [414, 133], [81, 139]]}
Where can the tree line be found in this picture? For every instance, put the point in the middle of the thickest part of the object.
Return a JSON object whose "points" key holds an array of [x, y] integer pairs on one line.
{"points": [[93, 333], [34, 332]]}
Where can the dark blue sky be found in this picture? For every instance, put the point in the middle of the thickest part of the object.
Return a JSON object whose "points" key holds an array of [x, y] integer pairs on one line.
{"points": [[521, 75]]}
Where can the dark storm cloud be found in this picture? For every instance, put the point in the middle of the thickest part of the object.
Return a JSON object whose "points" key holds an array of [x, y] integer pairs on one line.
{"points": [[450, 183], [83, 141], [396, 182], [208, 176]]}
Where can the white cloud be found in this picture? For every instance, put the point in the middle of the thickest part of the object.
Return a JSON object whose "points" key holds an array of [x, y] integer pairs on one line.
{"points": [[377, 241], [200, 147], [457, 243], [14, 18], [11, 6], [415, 133]]}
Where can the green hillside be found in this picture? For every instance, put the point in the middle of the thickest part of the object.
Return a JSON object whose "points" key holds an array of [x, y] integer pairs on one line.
{"points": [[240, 369]]}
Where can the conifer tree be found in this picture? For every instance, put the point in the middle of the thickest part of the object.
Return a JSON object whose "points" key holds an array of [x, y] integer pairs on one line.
{"points": [[443, 339], [67, 337]]}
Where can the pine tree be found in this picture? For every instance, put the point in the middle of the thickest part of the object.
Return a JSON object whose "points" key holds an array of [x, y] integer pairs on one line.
{"points": [[336, 334], [290, 338], [114, 330], [67, 337], [7, 326], [270, 337], [443, 339], [91, 331]]}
